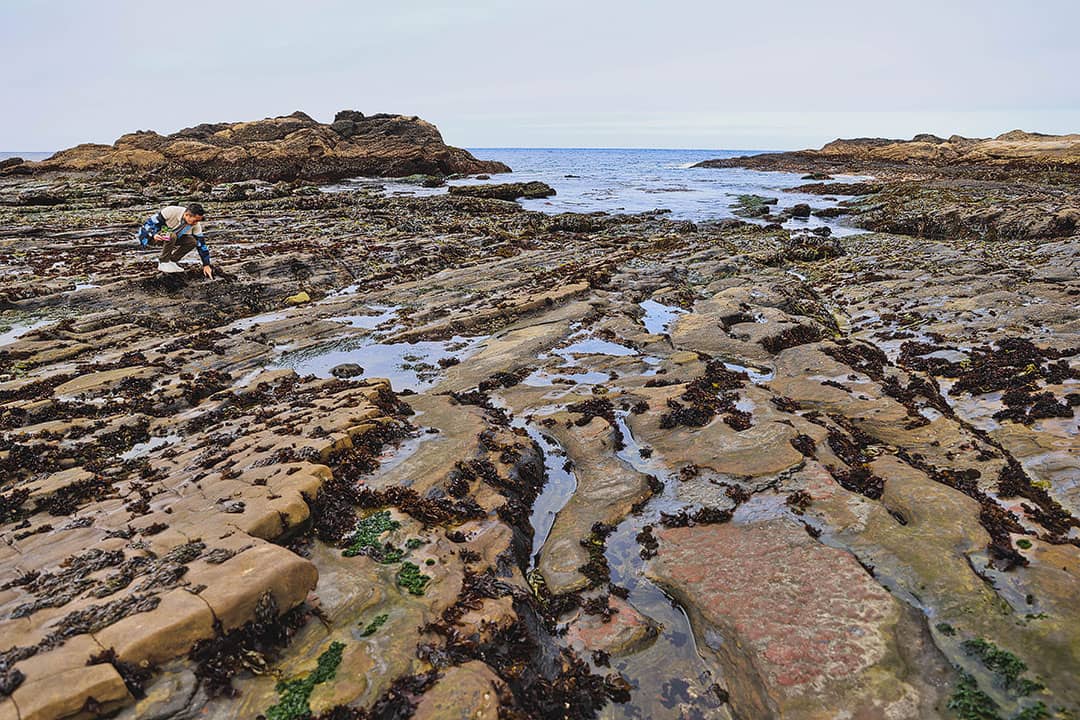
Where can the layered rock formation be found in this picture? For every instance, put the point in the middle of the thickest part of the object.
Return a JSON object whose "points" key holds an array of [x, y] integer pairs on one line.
{"points": [[851, 462], [282, 148], [1015, 149]]}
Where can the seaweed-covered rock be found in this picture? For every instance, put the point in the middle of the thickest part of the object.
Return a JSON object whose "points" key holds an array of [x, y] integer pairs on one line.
{"points": [[505, 191], [752, 206], [801, 210]]}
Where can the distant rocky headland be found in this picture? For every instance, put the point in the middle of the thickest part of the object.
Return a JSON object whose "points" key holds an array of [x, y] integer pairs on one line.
{"points": [[986, 157], [291, 147]]}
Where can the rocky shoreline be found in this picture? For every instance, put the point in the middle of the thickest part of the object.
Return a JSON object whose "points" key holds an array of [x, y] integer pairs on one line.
{"points": [[443, 457], [1018, 185]]}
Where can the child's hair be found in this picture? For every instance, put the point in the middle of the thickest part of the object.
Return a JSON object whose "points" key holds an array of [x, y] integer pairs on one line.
{"points": [[196, 209]]}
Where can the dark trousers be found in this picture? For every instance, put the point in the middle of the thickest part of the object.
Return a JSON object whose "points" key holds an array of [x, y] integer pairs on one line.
{"points": [[176, 249]]}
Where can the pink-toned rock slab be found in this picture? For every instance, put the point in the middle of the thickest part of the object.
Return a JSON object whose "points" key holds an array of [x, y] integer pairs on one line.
{"points": [[801, 628], [625, 632]]}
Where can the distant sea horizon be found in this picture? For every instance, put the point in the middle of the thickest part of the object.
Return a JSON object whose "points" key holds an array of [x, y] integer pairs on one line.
{"points": [[26, 154], [43, 154]]}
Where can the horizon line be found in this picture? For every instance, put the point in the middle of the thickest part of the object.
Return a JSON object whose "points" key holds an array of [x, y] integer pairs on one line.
{"points": [[533, 147]]}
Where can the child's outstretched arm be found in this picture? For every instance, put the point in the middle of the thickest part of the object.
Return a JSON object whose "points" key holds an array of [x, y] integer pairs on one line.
{"points": [[204, 255]]}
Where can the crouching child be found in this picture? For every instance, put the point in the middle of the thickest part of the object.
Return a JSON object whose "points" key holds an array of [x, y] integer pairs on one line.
{"points": [[178, 229]]}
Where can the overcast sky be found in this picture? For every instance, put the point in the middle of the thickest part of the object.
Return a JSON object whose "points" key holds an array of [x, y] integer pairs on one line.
{"points": [[560, 73]]}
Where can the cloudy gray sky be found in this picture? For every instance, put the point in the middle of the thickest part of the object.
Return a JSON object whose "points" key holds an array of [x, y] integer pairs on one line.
{"points": [[562, 73]]}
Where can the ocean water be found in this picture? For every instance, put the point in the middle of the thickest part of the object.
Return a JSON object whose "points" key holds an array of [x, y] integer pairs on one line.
{"points": [[636, 180], [626, 181]]}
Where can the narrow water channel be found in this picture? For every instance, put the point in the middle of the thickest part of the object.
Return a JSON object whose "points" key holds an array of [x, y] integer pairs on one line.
{"points": [[670, 677], [559, 486]]}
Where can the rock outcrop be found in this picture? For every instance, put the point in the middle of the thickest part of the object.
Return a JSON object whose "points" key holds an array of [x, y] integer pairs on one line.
{"points": [[1018, 185], [282, 148], [806, 629], [506, 191], [1015, 149]]}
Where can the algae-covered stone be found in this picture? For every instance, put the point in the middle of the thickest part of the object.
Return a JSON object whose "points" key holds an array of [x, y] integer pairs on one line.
{"points": [[507, 191]]}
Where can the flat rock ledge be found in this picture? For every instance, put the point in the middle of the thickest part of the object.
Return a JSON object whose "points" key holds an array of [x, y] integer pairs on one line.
{"points": [[805, 629], [177, 552]]}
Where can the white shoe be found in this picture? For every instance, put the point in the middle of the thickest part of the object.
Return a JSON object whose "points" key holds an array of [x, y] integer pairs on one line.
{"points": [[169, 267]]}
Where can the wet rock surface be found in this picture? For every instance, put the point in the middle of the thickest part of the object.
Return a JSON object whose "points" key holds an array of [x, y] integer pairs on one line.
{"points": [[801, 628], [518, 464]]}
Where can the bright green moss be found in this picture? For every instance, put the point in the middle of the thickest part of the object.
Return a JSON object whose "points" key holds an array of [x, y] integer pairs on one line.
{"points": [[410, 578], [293, 695], [367, 533], [374, 625]]}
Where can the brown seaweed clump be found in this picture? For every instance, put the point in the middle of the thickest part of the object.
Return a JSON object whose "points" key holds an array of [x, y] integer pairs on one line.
{"points": [[708, 395], [252, 646]]}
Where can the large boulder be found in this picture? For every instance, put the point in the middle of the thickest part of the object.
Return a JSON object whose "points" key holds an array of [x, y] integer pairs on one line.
{"points": [[506, 191], [282, 148]]}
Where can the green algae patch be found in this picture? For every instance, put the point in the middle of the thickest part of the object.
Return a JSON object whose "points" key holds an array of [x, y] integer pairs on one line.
{"points": [[368, 530], [1002, 663], [410, 578], [387, 554], [365, 540], [293, 695], [945, 629], [971, 703], [374, 625], [1038, 711]]}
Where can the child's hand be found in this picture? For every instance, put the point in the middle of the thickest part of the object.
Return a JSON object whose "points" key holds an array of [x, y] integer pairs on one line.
{"points": [[208, 271]]}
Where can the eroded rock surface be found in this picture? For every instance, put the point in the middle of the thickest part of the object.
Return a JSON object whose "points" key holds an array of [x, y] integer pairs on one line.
{"points": [[290, 147], [475, 466], [802, 626]]}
